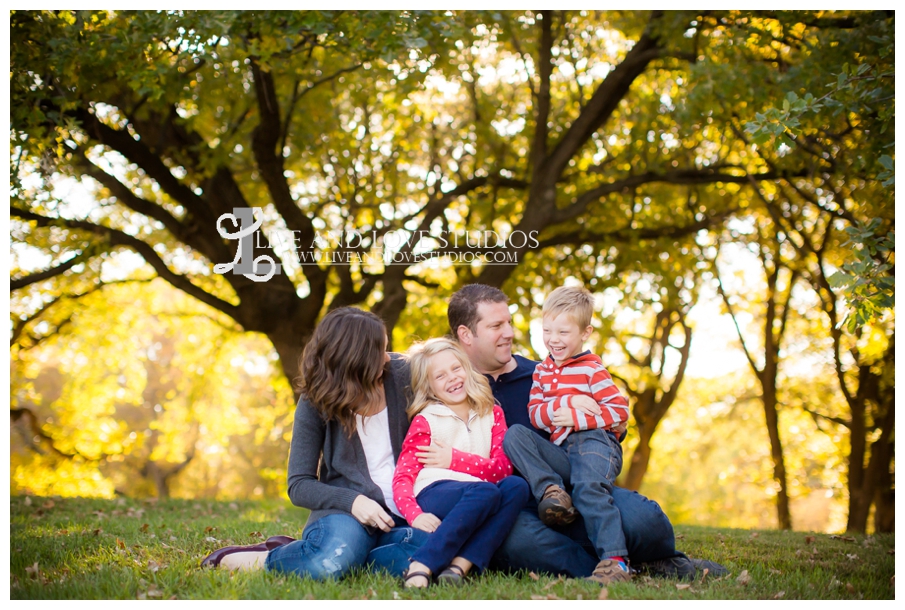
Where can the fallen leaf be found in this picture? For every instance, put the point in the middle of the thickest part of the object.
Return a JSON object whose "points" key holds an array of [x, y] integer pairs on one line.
{"points": [[814, 552], [63, 532], [808, 539], [372, 592], [779, 595], [32, 570], [98, 531], [680, 537], [553, 596], [209, 529], [49, 504], [775, 571], [682, 586], [256, 535], [798, 553], [554, 583], [704, 574], [754, 535], [851, 556], [27, 500], [604, 593], [396, 595], [234, 506], [743, 578], [144, 527], [891, 552], [533, 576], [211, 539], [844, 538], [120, 543], [849, 587]]}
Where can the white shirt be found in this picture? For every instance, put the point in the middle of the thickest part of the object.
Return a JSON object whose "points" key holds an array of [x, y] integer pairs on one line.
{"points": [[374, 433]]}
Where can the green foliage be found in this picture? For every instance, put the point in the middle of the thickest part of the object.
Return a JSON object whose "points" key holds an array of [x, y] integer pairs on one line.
{"points": [[868, 281], [121, 549]]}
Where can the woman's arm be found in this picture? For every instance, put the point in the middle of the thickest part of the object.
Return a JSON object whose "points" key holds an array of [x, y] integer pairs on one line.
{"points": [[408, 467], [308, 434], [493, 469]]}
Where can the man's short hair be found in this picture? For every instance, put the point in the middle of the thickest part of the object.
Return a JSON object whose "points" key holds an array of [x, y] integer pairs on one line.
{"points": [[575, 301], [463, 306]]}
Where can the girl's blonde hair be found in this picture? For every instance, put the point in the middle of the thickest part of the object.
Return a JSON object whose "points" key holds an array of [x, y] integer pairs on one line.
{"points": [[477, 389]]}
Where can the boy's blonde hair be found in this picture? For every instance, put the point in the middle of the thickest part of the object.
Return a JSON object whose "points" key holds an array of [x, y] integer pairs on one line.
{"points": [[477, 389], [575, 301]]}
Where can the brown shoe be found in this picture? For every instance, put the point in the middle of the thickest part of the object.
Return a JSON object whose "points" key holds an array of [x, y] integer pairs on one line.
{"points": [[555, 508], [610, 571]]}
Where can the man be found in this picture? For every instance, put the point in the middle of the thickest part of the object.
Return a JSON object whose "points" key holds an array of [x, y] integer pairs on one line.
{"points": [[479, 318]]}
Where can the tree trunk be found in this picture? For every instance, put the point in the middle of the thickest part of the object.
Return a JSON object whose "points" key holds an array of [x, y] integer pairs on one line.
{"points": [[640, 456], [771, 414], [885, 515]]}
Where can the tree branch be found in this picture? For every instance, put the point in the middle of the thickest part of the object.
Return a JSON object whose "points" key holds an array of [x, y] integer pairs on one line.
{"points": [[115, 237], [27, 280]]}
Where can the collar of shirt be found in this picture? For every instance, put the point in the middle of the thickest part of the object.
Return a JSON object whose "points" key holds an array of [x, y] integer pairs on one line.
{"points": [[585, 356]]}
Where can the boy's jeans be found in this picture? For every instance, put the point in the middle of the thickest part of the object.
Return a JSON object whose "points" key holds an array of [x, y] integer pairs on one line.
{"points": [[588, 461]]}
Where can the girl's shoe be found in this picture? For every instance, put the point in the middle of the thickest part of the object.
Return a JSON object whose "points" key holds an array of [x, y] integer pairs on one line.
{"points": [[452, 575], [408, 576]]}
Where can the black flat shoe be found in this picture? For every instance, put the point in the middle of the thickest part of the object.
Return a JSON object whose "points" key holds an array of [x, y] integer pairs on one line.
{"points": [[452, 575]]}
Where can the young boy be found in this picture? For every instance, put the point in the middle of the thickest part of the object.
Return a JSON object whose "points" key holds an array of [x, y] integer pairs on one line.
{"points": [[574, 398]]}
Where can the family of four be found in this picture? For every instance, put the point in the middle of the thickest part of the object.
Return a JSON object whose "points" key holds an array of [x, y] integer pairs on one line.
{"points": [[463, 456]]}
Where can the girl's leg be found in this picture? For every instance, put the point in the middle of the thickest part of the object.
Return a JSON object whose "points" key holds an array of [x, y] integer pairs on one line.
{"points": [[487, 538], [330, 548], [394, 549], [462, 508]]}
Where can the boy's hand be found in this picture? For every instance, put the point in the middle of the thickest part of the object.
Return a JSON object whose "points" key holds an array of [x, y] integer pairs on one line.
{"points": [[585, 404], [426, 522], [437, 455], [562, 418], [619, 430]]}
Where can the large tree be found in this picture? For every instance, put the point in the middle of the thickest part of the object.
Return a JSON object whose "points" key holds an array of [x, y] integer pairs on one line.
{"points": [[562, 123]]}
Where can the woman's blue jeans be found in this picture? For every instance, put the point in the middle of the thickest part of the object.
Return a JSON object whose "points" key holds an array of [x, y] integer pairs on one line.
{"points": [[336, 544]]}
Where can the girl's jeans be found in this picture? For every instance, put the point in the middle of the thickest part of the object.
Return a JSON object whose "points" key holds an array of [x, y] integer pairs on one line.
{"points": [[475, 519]]}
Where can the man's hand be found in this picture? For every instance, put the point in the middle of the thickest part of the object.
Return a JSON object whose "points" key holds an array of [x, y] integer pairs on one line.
{"points": [[426, 522], [585, 404], [370, 513], [437, 455], [562, 418]]}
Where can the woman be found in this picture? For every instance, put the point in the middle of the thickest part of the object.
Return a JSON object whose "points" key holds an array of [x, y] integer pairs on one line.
{"points": [[349, 423]]}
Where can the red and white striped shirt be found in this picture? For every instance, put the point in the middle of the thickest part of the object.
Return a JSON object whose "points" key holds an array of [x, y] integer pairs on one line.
{"points": [[554, 386]]}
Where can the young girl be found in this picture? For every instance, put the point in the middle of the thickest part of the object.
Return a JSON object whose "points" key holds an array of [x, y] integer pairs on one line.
{"points": [[452, 477]]}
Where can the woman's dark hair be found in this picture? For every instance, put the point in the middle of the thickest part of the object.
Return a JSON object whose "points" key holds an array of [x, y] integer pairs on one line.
{"points": [[342, 365]]}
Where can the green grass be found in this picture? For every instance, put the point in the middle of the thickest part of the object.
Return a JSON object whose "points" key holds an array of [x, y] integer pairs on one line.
{"points": [[126, 549]]}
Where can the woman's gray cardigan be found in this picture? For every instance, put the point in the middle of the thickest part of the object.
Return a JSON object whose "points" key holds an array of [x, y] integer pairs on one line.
{"points": [[344, 468]]}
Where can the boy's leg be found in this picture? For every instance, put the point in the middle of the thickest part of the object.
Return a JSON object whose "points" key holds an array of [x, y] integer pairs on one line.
{"points": [[490, 535], [536, 459], [462, 508], [596, 460]]}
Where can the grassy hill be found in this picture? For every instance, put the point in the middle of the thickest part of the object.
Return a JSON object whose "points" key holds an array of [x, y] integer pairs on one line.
{"points": [[75, 548]]}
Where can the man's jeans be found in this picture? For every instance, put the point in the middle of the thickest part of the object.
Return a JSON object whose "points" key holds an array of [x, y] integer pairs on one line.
{"points": [[336, 544], [532, 545]]}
